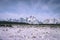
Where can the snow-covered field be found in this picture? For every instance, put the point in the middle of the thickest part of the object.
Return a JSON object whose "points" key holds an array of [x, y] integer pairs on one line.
{"points": [[29, 33]]}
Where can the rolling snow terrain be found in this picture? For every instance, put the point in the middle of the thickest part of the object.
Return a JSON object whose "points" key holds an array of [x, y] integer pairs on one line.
{"points": [[29, 32]]}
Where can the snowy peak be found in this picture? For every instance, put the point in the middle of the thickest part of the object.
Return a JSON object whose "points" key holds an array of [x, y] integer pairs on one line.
{"points": [[50, 21], [32, 20]]}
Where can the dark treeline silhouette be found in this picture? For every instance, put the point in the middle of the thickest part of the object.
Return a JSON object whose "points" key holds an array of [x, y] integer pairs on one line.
{"points": [[7, 22]]}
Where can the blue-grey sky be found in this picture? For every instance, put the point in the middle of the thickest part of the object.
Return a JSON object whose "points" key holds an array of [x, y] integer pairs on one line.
{"points": [[41, 9]]}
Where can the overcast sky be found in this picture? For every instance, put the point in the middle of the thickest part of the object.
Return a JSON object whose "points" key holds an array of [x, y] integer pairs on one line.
{"points": [[41, 9]]}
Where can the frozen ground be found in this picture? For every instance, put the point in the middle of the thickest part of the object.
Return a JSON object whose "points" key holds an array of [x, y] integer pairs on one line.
{"points": [[29, 33]]}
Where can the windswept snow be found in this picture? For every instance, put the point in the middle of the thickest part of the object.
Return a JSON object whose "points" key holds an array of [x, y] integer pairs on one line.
{"points": [[28, 32]]}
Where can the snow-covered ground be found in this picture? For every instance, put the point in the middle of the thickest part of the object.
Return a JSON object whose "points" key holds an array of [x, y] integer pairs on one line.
{"points": [[29, 33]]}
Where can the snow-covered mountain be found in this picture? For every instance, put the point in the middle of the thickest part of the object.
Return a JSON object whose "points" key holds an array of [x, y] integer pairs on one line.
{"points": [[58, 21], [51, 21], [17, 20], [13, 20], [22, 20], [32, 20]]}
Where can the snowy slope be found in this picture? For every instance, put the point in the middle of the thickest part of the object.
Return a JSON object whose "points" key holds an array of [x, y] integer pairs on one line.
{"points": [[50, 21], [29, 33], [32, 20]]}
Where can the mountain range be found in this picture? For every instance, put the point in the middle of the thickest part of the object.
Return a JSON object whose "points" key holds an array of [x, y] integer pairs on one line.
{"points": [[34, 20]]}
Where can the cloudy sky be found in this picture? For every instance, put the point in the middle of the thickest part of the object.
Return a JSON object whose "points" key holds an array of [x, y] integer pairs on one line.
{"points": [[41, 9]]}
